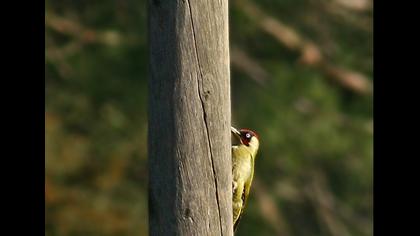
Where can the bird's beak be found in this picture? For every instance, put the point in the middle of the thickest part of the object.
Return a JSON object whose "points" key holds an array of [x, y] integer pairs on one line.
{"points": [[236, 133]]}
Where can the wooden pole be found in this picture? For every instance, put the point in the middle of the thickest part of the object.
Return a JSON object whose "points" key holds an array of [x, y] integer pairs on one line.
{"points": [[190, 179]]}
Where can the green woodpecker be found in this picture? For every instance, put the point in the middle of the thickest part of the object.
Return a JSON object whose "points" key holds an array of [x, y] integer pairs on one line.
{"points": [[243, 159]]}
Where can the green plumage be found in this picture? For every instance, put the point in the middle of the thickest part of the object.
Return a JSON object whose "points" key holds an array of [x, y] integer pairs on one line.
{"points": [[243, 160]]}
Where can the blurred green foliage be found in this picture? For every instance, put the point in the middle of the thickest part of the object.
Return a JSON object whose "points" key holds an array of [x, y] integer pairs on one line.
{"points": [[314, 169]]}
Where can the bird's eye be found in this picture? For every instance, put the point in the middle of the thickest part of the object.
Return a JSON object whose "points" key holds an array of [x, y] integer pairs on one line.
{"points": [[248, 135]]}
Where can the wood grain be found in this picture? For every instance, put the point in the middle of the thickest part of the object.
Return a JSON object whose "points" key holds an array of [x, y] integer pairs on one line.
{"points": [[190, 180]]}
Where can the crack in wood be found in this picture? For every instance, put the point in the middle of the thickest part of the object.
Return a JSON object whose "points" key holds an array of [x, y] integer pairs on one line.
{"points": [[205, 117]]}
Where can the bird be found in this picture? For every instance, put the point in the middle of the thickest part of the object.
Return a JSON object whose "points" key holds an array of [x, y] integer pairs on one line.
{"points": [[244, 152]]}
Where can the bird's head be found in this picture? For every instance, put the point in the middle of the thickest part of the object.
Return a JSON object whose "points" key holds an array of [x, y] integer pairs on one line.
{"points": [[248, 139]]}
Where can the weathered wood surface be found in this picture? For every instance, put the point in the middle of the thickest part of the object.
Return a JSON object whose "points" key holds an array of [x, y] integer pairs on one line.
{"points": [[190, 180]]}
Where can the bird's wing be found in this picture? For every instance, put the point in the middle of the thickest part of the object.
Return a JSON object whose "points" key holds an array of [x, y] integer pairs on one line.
{"points": [[245, 195]]}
